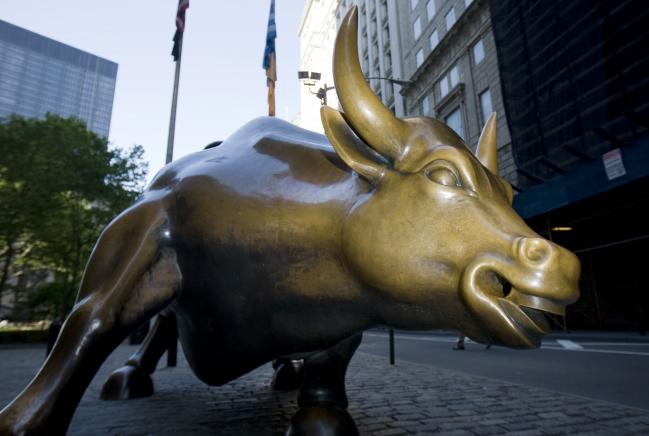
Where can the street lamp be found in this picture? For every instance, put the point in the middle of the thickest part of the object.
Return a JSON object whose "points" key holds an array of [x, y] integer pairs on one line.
{"points": [[394, 81], [309, 78]]}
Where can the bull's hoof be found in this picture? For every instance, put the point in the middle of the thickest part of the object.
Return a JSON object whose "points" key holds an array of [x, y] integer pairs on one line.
{"points": [[322, 420], [127, 382], [288, 375]]}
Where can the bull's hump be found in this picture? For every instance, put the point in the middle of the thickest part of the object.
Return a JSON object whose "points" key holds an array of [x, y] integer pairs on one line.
{"points": [[270, 128], [256, 141], [267, 159]]}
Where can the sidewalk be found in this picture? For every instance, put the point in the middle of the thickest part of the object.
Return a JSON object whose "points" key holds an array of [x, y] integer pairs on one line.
{"points": [[384, 400], [574, 335]]}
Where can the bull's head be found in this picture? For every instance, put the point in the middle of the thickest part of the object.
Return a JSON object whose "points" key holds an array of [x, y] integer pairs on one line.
{"points": [[437, 236]]}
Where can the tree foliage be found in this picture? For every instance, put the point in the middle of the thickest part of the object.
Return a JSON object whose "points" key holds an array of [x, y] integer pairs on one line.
{"points": [[60, 184]]}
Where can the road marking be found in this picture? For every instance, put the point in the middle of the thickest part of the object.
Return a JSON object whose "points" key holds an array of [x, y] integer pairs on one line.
{"points": [[413, 337], [615, 344], [569, 345], [585, 350]]}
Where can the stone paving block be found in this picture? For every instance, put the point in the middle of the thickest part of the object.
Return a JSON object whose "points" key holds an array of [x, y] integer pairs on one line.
{"points": [[488, 430], [518, 426], [455, 433], [390, 432], [524, 433]]}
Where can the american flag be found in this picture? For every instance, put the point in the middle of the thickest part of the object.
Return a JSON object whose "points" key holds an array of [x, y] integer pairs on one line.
{"points": [[183, 5], [269, 59]]}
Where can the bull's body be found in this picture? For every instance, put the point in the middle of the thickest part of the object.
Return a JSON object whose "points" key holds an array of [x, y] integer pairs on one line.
{"points": [[272, 202], [278, 244]]}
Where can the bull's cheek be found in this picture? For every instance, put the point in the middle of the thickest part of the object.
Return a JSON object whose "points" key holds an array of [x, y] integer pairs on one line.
{"points": [[405, 277], [408, 268]]}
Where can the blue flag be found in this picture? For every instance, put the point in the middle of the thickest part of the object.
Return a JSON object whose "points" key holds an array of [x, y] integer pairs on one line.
{"points": [[271, 34]]}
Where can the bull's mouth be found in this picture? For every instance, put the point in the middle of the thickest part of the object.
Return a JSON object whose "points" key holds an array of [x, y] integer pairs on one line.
{"points": [[527, 313], [511, 314]]}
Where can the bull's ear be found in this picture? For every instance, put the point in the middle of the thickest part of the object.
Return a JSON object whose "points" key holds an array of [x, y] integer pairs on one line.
{"points": [[509, 191], [487, 151], [351, 149]]}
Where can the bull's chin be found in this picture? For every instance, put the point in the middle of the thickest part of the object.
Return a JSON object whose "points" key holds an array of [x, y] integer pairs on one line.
{"points": [[530, 324], [509, 315]]}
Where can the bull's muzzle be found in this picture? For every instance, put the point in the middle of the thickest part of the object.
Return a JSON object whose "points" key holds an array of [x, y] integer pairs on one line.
{"points": [[510, 294]]}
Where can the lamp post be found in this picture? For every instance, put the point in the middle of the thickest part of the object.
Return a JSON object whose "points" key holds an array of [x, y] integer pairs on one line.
{"points": [[399, 82], [309, 78]]}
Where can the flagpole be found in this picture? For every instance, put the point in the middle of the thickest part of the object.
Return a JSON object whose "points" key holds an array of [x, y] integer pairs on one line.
{"points": [[270, 82], [269, 63], [174, 103]]}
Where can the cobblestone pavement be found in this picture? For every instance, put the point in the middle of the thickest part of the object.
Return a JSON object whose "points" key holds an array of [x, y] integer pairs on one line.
{"points": [[384, 400]]}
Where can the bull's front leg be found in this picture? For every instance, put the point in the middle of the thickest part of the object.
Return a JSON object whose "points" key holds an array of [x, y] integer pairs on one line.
{"points": [[131, 276], [323, 401]]}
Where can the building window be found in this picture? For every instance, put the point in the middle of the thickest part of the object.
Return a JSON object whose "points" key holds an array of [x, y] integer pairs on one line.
{"points": [[449, 81], [425, 106], [485, 105], [478, 52], [419, 57], [450, 19], [454, 121], [417, 28], [434, 39], [413, 3], [430, 9], [454, 76], [443, 86]]}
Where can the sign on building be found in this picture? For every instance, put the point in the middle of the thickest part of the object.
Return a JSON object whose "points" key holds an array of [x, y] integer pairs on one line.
{"points": [[613, 164]]}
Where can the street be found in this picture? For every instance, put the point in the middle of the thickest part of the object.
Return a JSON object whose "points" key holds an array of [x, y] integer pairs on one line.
{"points": [[407, 398], [613, 368]]}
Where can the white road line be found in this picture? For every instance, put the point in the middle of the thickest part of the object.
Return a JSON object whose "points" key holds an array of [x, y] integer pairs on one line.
{"points": [[569, 345], [615, 344], [413, 337]]}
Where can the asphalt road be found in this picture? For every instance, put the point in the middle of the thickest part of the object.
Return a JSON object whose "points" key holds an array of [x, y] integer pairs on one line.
{"points": [[606, 368]]}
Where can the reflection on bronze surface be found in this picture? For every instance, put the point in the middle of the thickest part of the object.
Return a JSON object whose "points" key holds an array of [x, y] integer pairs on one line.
{"points": [[276, 244]]}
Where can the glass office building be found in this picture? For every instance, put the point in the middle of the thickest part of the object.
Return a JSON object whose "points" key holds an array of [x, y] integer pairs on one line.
{"points": [[40, 75]]}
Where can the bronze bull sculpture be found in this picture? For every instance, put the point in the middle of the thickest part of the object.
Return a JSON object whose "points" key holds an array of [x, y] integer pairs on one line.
{"points": [[277, 244]]}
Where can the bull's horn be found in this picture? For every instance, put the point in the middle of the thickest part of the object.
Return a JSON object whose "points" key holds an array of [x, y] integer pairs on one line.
{"points": [[373, 122], [487, 151]]}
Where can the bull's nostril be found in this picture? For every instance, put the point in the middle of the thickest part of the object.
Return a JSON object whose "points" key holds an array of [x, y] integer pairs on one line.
{"points": [[536, 254], [535, 249]]}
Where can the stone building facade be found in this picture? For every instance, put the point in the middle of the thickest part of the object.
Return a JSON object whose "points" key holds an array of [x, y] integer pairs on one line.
{"points": [[379, 52], [317, 33], [379, 47], [440, 52], [449, 57]]}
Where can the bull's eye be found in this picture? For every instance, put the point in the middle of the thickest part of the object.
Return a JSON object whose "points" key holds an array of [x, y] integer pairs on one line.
{"points": [[443, 175]]}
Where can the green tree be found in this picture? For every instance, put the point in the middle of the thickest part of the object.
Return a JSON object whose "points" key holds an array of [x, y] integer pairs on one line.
{"points": [[60, 184]]}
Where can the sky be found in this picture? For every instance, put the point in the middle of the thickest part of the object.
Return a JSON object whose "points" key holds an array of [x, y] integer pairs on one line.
{"points": [[222, 82]]}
